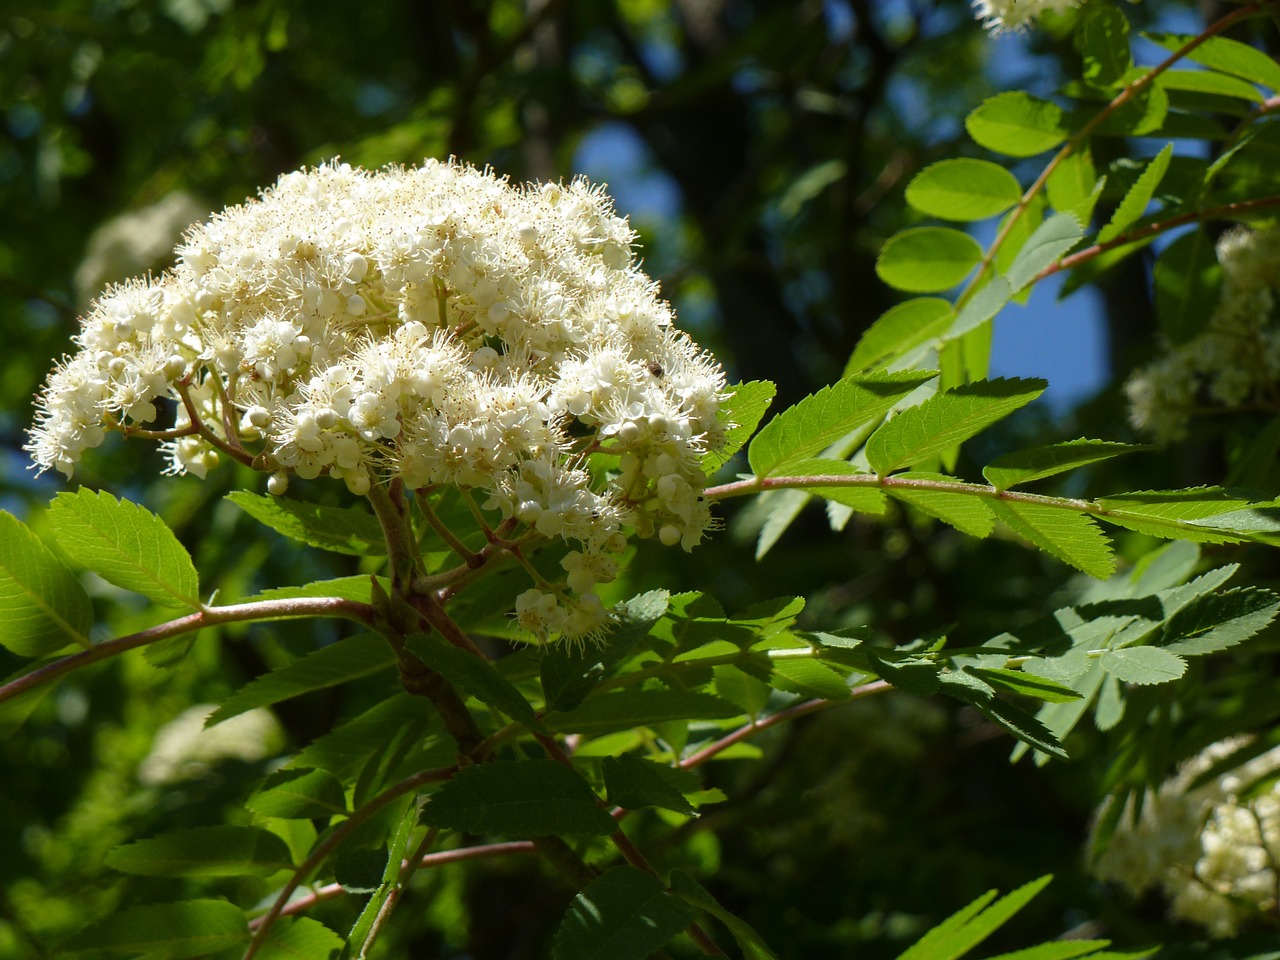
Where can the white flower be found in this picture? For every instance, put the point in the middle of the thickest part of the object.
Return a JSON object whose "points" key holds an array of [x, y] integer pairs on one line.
{"points": [[1000, 15]]}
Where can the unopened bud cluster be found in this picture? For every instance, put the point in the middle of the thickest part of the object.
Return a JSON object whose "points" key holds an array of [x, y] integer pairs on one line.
{"points": [[1235, 362], [1209, 849], [435, 325]]}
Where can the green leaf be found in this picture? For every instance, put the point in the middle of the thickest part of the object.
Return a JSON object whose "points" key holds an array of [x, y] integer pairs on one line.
{"points": [[357, 587], [624, 709], [1103, 41], [42, 605], [127, 545], [740, 688], [945, 420], [1074, 187], [968, 927], [1219, 621], [1135, 202], [518, 798], [809, 678], [165, 931], [1043, 248], [1143, 114], [223, 851], [347, 659], [624, 914], [986, 303], [963, 189], [692, 892], [967, 512], [899, 330], [1175, 514], [1055, 950], [1025, 684], [1071, 537], [1017, 124], [1206, 81], [817, 421], [1186, 278], [298, 794], [340, 530], [1226, 56], [1027, 728], [475, 675], [632, 783], [299, 938], [15, 710], [385, 727], [1036, 463], [927, 259], [1143, 665], [744, 408]]}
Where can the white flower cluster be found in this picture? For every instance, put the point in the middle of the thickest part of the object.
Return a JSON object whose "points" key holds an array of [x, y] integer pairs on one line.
{"points": [[1210, 851], [434, 324], [1235, 362], [1000, 15]]}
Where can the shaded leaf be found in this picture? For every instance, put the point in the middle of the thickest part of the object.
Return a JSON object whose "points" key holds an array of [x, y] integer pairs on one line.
{"points": [[297, 793], [1219, 621], [340, 530], [809, 678], [692, 892], [474, 675], [632, 783], [299, 938], [1135, 202], [963, 189], [927, 259], [624, 914], [1025, 684], [964, 511], [347, 659], [1186, 279], [945, 420], [638, 708], [1103, 41], [127, 545], [1143, 665], [42, 605], [165, 931], [222, 851], [968, 927], [518, 798]]}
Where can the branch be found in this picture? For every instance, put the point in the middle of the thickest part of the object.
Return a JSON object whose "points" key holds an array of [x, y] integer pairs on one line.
{"points": [[208, 617]]}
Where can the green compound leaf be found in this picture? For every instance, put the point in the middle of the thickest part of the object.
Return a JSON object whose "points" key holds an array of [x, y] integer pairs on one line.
{"points": [[744, 408], [166, 931], [299, 938], [692, 892], [1071, 537], [1068, 950], [970, 925], [898, 331], [927, 259], [1103, 41], [963, 189], [964, 511], [1186, 278], [126, 545], [1143, 665], [1226, 56], [347, 659], [1075, 187], [223, 851], [863, 499], [632, 783], [1190, 514], [336, 529], [298, 794], [625, 914], [518, 798], [42, 605], [809, 678], [817, 421], [625, 709], [1135, 202], [1043, 248], [1219, 621], [1017, 124], [475, 675], [945, 420], [1036, 463], [1205, 81], [986, 303]]}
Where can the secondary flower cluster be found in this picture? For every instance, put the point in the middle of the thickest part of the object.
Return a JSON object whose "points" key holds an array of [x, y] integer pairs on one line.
{"points": [[1235, 362], [1210, 849], [1000, 15], [434, 324]]}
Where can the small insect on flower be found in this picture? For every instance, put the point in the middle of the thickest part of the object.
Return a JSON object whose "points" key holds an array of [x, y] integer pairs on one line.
{"points": [[655, 368]]}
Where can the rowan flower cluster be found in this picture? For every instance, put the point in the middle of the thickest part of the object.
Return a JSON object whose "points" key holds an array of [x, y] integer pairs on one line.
{"points": [[1210, 849], [1001, 15], [1235, 361], [436, 325]]}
